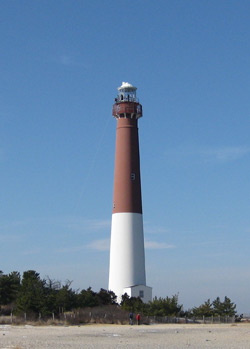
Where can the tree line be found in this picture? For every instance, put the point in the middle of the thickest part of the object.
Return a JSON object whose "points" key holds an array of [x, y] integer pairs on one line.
{"points": [[33, 294], [215, 308]]}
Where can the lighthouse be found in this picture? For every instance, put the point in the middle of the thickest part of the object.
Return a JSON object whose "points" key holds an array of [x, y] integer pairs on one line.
{"points": [[127, 258]]}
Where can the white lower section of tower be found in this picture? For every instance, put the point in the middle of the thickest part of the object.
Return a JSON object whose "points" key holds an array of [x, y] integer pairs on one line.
{"points": [[127, 259]]}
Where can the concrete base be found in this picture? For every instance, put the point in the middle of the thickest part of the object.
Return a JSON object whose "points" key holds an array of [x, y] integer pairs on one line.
{"points": [[127, 261]]}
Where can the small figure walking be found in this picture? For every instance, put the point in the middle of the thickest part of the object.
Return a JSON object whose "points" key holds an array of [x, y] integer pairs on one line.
{"points": [[131, 315], [138, 318]]}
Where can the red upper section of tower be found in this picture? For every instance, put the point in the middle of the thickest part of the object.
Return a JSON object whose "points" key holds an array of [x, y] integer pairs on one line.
{"points": [[127, 109], [127, 181]]}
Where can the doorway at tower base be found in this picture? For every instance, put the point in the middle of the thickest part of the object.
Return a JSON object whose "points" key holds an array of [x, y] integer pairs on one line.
{"points": [[142, 291]]}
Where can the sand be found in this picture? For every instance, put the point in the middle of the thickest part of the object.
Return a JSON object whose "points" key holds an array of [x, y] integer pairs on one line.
{"points": [[125, 336]]}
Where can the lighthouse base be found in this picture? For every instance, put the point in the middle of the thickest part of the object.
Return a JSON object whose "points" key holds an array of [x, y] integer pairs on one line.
{"points": [[142, 291], [127, 260]]}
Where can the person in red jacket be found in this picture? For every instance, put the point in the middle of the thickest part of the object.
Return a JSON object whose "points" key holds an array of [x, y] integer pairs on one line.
{"points": [[138, 318]]}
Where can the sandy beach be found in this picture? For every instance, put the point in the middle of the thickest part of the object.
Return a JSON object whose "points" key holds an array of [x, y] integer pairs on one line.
{"points": [[125, 336]]}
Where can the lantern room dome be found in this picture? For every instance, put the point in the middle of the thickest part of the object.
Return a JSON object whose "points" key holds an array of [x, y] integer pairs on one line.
{"points": [[126, 86]]}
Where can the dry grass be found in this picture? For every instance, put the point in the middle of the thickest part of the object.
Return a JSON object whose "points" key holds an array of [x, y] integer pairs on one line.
{"points": [[97, 315]]}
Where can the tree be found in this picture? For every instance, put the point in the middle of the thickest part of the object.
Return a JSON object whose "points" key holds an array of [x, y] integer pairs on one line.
{"points": [[106, 297], [226, 308], [31, 297], [87, 298], [205, 309], [52, 288], [9, 287], [15, 283], [133, 304], [4, 289], [164, 306], [216, 308], [66, 298]]}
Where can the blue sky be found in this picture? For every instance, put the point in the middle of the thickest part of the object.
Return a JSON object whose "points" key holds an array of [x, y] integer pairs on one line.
{"points": [[60, 64]]}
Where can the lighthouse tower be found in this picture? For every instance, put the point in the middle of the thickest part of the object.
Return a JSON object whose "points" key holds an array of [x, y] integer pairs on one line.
{"points": [[127, 259]]}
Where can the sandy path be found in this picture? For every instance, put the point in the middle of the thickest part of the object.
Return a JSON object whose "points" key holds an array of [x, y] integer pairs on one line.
{"points": [[117, 336]]}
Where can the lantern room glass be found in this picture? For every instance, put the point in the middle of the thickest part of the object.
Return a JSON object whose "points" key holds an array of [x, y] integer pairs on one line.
{"points": [[127, 94]]}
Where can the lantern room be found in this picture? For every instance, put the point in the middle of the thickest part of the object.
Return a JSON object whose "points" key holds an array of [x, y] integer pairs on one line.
{"points": [[127, 93], [126, 104]]}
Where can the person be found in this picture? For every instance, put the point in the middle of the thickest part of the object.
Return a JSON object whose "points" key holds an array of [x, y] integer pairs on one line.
{"points": [[138, 318], [131, 315]]}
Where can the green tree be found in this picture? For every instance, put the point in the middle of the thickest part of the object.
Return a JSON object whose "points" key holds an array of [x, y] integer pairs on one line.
{"points": [[4, 289], [15, 283], [106, 297], [31, 296], [225, 308], [87, 298], [216, 308], [52, 288], [168, 306], [66, 298], [133, 304], [9, 287], [205, 309]]}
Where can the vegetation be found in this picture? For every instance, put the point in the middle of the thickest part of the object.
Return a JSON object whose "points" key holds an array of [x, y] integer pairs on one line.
{"points": [[215, 308], [157, 307], [9, 287], [31, 294], [165, 306]]}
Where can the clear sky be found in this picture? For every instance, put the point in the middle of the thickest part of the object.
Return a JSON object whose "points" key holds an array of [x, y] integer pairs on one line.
{"points": [[60, 65]]}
